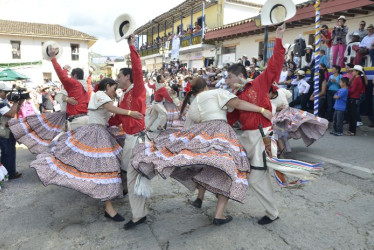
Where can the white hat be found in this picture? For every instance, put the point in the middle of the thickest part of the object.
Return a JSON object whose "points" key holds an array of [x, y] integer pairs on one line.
{"points": [[4, 87], [300, 73], [220, 74], [309, 47], [124, 26], [277, 11], [47, 46], [355, 34], [247, 68], [342, 17], [245, 56], [358, 68]]}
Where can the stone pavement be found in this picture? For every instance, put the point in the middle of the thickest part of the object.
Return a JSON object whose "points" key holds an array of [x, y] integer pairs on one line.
{"points": [[334, 212]]}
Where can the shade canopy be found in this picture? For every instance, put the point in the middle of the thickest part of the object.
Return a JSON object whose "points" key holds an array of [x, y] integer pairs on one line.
{"points": [[11, 75]]}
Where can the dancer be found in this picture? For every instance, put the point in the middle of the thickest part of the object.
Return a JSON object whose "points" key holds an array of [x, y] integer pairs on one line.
{"points": [[87, 159], [206, 152], [256, 91], [36, 132], [158, 109], [133, 98]]}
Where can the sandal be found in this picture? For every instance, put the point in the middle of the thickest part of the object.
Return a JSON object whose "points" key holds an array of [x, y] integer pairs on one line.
{"points": [[349, 133]]}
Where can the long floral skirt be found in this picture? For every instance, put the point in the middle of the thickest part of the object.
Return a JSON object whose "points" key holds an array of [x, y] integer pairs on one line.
{"points": [[208, 154], [295, 123], [37, 131], [87, 159]]}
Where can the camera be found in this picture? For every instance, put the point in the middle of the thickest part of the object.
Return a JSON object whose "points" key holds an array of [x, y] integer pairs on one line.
{"points": [[18, 93]]}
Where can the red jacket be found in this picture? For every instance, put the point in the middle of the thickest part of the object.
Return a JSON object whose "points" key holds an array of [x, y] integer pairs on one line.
{"points": [[133, 100], [356, 88], [256, 92], [161, 94], [74, 89]]}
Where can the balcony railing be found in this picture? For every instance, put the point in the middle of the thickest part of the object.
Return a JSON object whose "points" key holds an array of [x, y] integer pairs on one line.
{"points": [[188, 40]]}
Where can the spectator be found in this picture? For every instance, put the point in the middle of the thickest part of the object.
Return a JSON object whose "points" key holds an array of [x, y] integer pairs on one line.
{"points": [[323, 77], [7, 140], [283, 77], [260, 62], [339, 42], [303, 88], [254, 61], [47, 100], [323, 58], [340, 106], [332, 87], [361, 31], [326, 35], [362, 97], [252, 72], [245, 61], [308, 59], [366, 47], [354, 90]]}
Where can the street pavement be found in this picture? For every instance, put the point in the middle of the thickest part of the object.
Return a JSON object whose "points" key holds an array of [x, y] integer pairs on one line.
{"points": [[334, 212]]}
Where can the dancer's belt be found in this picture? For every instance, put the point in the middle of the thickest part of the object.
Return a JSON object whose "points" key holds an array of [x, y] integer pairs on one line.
{"points": [[71, 118]]}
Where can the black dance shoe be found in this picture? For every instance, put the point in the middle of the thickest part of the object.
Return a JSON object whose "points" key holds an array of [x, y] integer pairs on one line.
{"points": [[266, 220], [197, 203], [117, 217], [219, 222], [132, 224]]}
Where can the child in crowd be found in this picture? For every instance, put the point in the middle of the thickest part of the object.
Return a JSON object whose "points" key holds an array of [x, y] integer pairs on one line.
{"points": [[323, 58], [340, 106]]}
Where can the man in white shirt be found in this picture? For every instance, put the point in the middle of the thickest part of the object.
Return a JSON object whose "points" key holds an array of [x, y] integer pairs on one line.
{"points": [[283, 77], [366, 47], [221, 82], [303, 87]]}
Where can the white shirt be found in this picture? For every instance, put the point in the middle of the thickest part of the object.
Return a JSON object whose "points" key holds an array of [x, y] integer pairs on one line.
{"points": [[6, 106], [282, 78], [302, 85], [97, 114], [280, 100], [209, 105], [367, 41], [221, 84]]}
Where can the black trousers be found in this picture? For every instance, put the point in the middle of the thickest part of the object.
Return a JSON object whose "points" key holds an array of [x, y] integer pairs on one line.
{"points": [[302, 99], [352, 113]]}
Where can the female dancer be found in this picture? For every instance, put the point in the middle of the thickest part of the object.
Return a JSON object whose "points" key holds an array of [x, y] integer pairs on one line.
{"points": [[87, 159], [206, 152]]}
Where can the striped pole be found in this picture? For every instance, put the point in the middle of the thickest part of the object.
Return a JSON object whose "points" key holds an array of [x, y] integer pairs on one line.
{"points": [[317, 39]]}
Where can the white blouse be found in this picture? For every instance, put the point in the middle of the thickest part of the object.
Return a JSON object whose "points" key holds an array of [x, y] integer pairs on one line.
{"points": [[97, 114], [209, 105], [280, 100]]}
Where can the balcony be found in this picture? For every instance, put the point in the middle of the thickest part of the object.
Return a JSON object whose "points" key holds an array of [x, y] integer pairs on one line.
{"points": [[188, 40]]}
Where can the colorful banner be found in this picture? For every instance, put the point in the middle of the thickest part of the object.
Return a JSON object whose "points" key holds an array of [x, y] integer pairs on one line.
{"points": [[175, 46]]}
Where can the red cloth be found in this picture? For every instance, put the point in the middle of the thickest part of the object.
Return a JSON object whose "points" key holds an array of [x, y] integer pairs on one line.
{"points": [[355, 89], [74, 89], [162, 94], [89, 85], [328, 36], [133, 100], [187, 89], [256, 92]]}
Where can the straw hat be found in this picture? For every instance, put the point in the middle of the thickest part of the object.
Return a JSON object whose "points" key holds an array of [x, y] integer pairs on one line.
{"points": [[47, 46], [124, 26], [300, 73], [358, 68], [277, 11]]}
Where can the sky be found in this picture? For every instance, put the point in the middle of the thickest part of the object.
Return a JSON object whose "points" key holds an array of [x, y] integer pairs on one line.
{"points": [[95, 18]]}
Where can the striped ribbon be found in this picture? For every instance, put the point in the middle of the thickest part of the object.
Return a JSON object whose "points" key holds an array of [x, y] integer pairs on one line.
{"points": [[317, 7]]}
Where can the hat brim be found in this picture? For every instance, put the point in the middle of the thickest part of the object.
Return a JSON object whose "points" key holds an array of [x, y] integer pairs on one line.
{"points": [[269, 15], [124, 26], [46, 47]]}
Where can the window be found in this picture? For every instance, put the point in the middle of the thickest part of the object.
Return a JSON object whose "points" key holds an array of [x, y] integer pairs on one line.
{"points": [[270, 50], [74, 52], [16, 49], [311, 39]]}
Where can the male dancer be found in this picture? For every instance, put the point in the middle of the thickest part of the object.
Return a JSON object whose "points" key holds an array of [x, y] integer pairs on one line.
{"points": [[133, 98], [256, 92], [76, 88], [158, 108]]}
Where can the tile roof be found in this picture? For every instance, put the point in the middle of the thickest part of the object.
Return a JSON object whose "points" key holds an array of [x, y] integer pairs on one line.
{"points": [[42, 30]]}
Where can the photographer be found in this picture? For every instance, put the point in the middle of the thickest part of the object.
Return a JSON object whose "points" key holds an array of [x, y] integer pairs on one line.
{"points": [[7, 141]]}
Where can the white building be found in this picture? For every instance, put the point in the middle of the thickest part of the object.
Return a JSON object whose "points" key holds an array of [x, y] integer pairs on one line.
{"points": [[21, 48]]}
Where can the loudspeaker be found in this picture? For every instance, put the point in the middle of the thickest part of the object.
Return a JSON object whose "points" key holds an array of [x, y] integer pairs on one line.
{"points": [[299, 49]]}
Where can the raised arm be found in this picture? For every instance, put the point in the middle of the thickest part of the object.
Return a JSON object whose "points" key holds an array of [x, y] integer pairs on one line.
{"points": [[275, 64], [137, 72], [116, 110]]}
